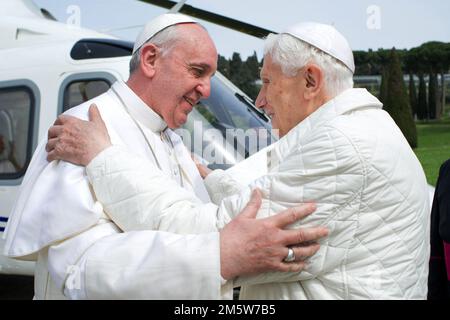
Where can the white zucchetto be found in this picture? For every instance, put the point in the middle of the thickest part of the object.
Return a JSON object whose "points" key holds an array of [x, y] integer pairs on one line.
{"points": [[325, 38], [158, 24]]}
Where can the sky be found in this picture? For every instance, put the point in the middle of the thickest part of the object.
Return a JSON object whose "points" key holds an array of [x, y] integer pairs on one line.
{"points": [[366, 24]]}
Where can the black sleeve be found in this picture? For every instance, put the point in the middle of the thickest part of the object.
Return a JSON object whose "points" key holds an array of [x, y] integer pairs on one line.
{"points": [[443, 197], [438, 284]]}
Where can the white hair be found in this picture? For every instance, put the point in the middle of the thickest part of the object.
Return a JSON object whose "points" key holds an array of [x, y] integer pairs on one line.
{"points": [[292, 54], [164, 39]]}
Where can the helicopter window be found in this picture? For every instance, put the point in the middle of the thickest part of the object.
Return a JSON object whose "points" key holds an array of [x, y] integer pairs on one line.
{"points": [[101, 48], [80, 91], [232, 110], [225, 128], [16, 113]]}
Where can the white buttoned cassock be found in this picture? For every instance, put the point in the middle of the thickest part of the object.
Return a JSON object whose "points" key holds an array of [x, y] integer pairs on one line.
{"points": [[82, 253]]}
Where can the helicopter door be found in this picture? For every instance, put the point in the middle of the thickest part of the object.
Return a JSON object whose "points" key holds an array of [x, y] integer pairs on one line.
{"points": [[80, 88], [17, 121]]}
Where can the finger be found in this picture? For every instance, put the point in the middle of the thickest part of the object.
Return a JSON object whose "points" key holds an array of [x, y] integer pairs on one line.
{"points": [[295, 266], [253, 205], [54, 131], [61, 119], [302, 235], [94, 115], [58, 121], [51, 156], [301, 253], [51, 143], [292, 215]]}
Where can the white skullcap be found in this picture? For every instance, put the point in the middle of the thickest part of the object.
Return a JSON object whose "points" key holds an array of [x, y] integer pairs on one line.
{"points": [[158, 24], [326, 38]]}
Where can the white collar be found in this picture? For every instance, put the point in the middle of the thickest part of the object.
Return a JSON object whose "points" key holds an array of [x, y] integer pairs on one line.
{"points": [[138, 109], [349, 100]]}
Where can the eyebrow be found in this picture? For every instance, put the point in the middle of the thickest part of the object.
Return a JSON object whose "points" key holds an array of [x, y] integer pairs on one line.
{"points": [[204, 66]]}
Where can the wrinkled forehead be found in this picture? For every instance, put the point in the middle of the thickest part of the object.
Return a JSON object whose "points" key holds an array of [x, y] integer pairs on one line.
{"points": [[195, 44], [268, 67], [193, 33]]}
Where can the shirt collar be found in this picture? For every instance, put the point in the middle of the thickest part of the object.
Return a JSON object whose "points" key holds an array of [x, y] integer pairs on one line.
{"points": [[138, 109], [347, 101]]}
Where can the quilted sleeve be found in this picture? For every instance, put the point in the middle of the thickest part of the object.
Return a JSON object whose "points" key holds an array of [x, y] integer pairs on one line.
{"points": [[221, 185], [138, 196], [328, 170]]}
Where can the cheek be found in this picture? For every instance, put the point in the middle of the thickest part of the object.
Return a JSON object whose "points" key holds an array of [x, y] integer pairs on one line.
{"points": [[168, 112], [179, 113], [275, 93]]}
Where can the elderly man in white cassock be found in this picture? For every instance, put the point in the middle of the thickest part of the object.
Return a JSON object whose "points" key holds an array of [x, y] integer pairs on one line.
{"points": [[337, 147], [82, 254]]}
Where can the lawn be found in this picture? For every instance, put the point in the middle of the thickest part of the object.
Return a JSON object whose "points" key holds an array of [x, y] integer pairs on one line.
{"points": [[434, 147]]}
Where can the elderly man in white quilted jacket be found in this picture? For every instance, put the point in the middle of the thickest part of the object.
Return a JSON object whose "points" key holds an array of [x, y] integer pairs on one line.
{"points": [[337, 147]]}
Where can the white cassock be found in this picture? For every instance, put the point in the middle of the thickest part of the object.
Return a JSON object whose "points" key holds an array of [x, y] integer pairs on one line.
{"points": [[350, 157], [80, 252]]}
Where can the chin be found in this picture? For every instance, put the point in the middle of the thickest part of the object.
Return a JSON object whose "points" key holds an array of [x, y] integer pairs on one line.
{"points": [[179, 123]]}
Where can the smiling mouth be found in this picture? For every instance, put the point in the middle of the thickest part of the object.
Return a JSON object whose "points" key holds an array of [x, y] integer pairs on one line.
{"points": [[192, 103]]}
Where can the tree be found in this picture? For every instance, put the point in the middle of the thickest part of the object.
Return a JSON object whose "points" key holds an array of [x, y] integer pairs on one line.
{"points": [[223, 65], [384, 85], [362, 63], [247, 82], [413, 95], [397, 101], [422, 107], [241, 75], [235, 68], [253, 66], [434, 58], [432, 95], [412, 66]]}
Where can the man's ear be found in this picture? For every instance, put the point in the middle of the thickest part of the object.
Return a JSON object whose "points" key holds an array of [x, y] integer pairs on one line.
{"points": [[149, 56], [314, 81]]}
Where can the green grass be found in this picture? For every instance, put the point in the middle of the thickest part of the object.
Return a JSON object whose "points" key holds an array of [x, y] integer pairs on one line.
{"points": [[434, 147]]}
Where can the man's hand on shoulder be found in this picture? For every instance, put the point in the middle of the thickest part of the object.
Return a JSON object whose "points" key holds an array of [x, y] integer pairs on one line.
{"points": [[77, 141]]}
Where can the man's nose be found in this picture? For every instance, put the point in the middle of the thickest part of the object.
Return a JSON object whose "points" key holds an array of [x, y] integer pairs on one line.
{"points": [[204, 88], [261, 100]]}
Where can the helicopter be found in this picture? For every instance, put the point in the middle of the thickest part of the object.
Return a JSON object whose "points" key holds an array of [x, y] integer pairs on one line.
{"points": [[49, 67]]}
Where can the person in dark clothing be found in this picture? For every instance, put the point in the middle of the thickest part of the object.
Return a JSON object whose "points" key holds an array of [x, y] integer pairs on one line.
{"points": [[439, 276]]}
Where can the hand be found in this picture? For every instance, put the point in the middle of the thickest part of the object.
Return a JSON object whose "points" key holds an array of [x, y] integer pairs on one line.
{"points": [[77, 141], [249, 245], [202, 169]]}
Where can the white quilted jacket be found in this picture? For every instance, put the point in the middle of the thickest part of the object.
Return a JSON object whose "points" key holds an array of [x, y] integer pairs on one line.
{"points": [[350, 158]]}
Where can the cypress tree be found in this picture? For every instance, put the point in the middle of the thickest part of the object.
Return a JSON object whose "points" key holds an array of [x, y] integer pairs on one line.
{"points": [[383, 86], [246, 82], [413, 95], [397, 101], [432, 95], [422, 107], [253, 65], [241, 75], [235, 68], [223, 65]]}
